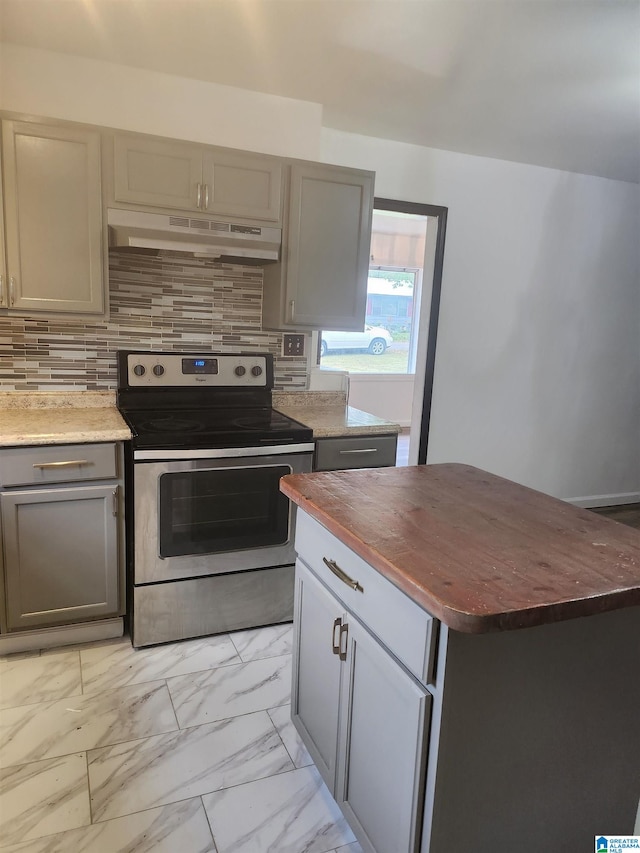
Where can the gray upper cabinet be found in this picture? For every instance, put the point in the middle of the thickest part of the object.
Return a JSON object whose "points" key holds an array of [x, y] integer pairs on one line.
{"points": [[321, 282], [157, 173], [53, 218], [4, 292], [184, 176]]}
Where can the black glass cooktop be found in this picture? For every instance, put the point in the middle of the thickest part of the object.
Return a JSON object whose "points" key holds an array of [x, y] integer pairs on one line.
{"points": [[213, 428]]}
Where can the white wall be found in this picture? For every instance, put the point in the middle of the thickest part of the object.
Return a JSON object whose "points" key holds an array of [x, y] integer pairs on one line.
{"points": [[538, 358], [54, 85], [388, 396]]}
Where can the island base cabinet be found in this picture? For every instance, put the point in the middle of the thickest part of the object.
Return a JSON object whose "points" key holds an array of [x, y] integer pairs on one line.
{"points": [[61, 554], [362, 716], [536, 742], [383, 722], [317, 670]]}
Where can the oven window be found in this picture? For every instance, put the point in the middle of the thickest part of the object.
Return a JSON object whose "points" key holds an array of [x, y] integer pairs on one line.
{"points": [[228, 509]]}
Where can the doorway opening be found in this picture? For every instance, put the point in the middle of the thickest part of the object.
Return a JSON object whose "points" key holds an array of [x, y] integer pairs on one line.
{"points": [[391, 362]]}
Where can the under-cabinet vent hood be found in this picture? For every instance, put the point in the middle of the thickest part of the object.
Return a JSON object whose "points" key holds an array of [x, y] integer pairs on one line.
{"points": [[204, 237]]}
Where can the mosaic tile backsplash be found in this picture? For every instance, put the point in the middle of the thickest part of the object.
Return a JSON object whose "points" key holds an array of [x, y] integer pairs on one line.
{"points": [[174, 303]]}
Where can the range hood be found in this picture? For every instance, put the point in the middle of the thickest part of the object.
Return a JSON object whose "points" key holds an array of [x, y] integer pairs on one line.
{"points": [[209, 238]]}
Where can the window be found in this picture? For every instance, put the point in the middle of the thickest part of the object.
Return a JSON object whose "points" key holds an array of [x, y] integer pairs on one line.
{"points": [[388, 342]]}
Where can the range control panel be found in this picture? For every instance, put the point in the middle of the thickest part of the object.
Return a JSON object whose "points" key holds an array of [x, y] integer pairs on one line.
{"points": [[184, 370]]}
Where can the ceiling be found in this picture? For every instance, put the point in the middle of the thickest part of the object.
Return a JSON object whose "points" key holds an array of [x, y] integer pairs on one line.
{"points": [[549, 82]]}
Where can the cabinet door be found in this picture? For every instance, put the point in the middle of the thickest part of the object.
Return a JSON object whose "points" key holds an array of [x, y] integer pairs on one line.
{"points": [[242, 185], [60, 554], [158, 173], [328, 247], [3, 265], [53, 217], [315, 695], [383, 722]]}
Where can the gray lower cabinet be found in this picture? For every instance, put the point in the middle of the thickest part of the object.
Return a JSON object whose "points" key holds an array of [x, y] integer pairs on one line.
{"points": [[362, 451], [363, 717], [62, 541]]}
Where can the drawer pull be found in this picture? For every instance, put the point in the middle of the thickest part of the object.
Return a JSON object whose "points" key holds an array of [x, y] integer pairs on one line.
{"points": [[364, 450], [344, 630], [335, 647], [72, 463], [344, 577]]}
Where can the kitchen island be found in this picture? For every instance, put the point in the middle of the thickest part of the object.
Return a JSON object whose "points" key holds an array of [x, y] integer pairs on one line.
{"points": [[466, 660]]}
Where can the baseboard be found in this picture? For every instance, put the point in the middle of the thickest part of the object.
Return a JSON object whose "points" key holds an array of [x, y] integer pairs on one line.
{"points": [[605, 500], [64, 635]]}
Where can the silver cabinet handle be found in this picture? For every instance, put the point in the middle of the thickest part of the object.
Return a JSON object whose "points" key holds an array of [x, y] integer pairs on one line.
{"points": [[71, 463], [339, 573], [206, 196], [199, 195], [344, 631], [12, 285], [292, 310], [1, 289], [115, 502], [335, 647], [364, 450]]}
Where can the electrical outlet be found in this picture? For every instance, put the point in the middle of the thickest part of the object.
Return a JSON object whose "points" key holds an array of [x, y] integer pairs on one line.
{"points": [[293, 345]]}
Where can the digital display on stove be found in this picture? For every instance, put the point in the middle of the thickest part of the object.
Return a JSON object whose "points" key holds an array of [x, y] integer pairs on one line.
{"points": [[199, 365]]}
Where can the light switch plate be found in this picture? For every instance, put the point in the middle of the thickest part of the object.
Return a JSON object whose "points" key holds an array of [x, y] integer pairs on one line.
{"points": [[293, 345]]}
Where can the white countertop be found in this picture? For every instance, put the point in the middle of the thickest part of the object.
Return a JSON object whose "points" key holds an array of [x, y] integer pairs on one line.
{"points": [[329, 416], [51, 417]]}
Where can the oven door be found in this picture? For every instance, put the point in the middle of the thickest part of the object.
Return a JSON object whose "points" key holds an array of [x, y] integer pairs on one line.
{"points": [[206, 516]]}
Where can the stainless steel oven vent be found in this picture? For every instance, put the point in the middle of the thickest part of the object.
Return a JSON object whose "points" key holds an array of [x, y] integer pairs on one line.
{"points": [[131, 229]]}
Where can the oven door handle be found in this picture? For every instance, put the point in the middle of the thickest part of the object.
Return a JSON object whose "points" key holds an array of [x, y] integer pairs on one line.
{"points": [[187, 454]]}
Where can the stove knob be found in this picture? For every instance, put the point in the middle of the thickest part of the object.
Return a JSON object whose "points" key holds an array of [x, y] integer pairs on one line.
{"points": [[240, 370], [158, 370], [139, 370], [257, 370]]}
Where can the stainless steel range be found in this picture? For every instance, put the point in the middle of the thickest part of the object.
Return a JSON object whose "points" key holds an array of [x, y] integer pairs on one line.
{"points": [[210, 536]]}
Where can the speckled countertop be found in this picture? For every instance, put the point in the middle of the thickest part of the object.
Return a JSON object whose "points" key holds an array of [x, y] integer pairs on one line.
{"points": [[328, 414], [52, 417]]}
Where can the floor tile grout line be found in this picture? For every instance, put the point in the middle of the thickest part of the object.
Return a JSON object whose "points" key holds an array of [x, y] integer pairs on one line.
{"points": [[206, 814], [86, 759], [292, 769], [80, 668], [280, 736], [148, 737], [173, 707], [88, 695]]}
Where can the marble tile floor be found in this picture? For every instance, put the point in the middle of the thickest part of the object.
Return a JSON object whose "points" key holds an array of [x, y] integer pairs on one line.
{"points": [[181, 748]]}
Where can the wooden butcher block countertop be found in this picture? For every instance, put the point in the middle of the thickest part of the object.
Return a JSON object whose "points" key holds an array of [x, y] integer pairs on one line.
{"points": [[479, 552]]}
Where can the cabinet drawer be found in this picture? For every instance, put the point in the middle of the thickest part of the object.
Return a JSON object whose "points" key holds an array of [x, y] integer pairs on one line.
{"points": [[63, 463], [405, 628], [367, 451]]}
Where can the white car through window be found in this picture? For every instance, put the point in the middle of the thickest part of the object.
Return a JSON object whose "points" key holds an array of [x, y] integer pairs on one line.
{"points": [[374, 339]]}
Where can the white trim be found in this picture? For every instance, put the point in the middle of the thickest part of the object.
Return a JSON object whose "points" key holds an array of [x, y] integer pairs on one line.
{"points": [[64, 635], [605, 500]]}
